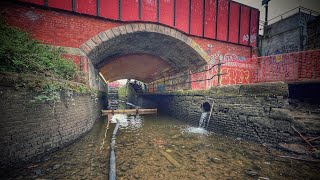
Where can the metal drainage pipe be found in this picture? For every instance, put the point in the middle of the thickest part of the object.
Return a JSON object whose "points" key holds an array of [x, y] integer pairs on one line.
{"points": [[112, 169]]}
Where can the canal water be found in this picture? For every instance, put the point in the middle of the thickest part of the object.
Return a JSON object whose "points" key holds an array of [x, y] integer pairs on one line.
{"points": [[161, 147]]}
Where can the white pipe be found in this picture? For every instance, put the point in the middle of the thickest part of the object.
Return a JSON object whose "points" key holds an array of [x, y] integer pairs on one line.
{"points": [[210, 113]]}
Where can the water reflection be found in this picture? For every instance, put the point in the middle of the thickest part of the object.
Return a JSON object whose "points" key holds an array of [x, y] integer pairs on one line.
{"points": [[127, 121]]}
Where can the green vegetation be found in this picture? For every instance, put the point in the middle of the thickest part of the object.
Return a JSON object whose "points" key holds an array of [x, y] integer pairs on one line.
{"points": [[22, 54], [25, 63], [122, 92]]}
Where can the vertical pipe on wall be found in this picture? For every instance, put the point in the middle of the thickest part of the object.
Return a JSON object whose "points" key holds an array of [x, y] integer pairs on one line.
{"points": [[158, 10], [98, 7], [257, 38], [140, 8], [239, 20], [189, 17], [228, 28], [120, 9], [217, 8], [74, 2], [249, 34], [174, 12], [203, 15]]}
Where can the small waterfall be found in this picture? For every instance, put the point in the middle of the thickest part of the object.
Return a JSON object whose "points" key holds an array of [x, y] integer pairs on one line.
{"points": [[202, 125], [203, 119]]}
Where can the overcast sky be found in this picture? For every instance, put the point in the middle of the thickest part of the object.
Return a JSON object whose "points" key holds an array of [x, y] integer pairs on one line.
{"points": [[278, 7]]}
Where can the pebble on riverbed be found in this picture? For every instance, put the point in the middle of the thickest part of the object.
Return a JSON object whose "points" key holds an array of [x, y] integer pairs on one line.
{"points": [[251, 172]]}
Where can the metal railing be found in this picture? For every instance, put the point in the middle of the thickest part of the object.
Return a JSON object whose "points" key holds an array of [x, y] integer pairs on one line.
{"points": [[289, 67], [291, 12], [185, 81]]}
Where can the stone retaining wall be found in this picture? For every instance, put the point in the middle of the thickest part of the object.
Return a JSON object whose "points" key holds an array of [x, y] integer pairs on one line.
{"points": [[29, 129], [254, 112]]}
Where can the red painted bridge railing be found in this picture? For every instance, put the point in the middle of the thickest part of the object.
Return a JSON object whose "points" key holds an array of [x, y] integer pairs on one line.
{"points": [[290, 67]]}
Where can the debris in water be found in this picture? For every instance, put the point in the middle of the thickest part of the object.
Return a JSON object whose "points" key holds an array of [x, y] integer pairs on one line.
{"points": [[170, 158]]}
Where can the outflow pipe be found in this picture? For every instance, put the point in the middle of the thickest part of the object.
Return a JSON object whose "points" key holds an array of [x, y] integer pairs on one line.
{"points": [[112, 169], [210, 113]]}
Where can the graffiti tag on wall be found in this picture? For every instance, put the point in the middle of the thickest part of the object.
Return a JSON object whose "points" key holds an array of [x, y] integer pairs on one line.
{"points": [[214, 59], [284, 49]]}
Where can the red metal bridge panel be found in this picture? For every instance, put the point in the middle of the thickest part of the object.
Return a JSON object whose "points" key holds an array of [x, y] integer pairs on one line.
{"points": [[109, 9], [65, 5], [166, 12], [222, 20], [149, 10], [130, 10], [234, 22], [210, 19], [254, 28], [244, 25], [40, 2], [196, 24], [86, 7], [185, 15], [182, 15]]}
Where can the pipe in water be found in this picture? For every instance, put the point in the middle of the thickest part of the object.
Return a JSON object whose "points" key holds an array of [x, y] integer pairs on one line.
{"points": [[112, 169]]}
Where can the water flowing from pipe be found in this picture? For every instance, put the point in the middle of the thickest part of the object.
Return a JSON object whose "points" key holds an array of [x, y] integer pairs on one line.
{"points": [[203, 119]]}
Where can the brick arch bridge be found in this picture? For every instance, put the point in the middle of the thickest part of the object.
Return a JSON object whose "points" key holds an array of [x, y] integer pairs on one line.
{"points": [[166, 37], [144, 52]]}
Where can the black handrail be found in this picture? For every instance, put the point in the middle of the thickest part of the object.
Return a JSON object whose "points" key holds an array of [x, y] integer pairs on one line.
{"points": [[176, 77], [199, 80]]}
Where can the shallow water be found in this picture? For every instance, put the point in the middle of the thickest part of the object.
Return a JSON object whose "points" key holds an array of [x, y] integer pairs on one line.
{"points": [[87, 158], [202, 155], [143, 140]]}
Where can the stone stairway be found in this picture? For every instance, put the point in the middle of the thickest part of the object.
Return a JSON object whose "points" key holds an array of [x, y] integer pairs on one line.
{"points": [[307, 115], [113, 98]]}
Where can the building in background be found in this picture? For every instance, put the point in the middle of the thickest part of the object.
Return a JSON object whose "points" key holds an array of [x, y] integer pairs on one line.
{"points": [[293, 31]]}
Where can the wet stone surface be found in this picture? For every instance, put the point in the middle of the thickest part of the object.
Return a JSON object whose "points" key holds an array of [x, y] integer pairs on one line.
{"points": [[87, 158], [147, 147], [201, 156]]}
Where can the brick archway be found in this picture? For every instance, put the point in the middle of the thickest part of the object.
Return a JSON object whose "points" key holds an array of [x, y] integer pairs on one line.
{"points": [[150, 45]]}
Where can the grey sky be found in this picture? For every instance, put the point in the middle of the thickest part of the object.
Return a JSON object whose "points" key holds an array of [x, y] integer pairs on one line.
{"points": [[278, 7]]}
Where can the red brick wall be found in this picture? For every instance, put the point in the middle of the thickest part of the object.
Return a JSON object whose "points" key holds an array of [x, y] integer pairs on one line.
{"points": [[61, 28], [57, 28], [228, 51]]}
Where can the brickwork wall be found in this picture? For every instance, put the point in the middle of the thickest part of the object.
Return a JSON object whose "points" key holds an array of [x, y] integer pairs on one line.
{"points": [[253, 112], [29, 129], [53, 27]]}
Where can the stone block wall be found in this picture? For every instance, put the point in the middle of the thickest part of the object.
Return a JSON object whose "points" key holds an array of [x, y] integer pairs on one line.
{"points": [[29, 129], [254, 112]]}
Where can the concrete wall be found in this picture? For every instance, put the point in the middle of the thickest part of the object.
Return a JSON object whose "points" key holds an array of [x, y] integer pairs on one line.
{"points": [[287, 35], [254, 112], [313, 31], [138, 100], [29, 129]]}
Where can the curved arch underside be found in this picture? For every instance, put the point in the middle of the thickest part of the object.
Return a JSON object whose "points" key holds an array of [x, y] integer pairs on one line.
{"points": [[145, 56]]}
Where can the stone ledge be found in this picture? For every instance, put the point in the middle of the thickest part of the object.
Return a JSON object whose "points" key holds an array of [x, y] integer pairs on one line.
{"points": [[246, 90]]}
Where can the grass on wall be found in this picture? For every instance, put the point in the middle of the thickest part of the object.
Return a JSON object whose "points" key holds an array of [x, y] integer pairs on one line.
{"points": [[21, 54]]}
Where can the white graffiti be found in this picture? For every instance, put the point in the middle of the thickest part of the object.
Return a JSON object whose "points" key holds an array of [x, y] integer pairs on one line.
{"points": [[216, 57], [245, 38], [253, 38]]}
